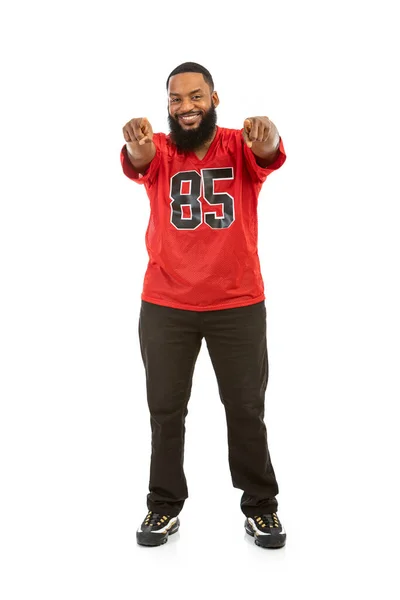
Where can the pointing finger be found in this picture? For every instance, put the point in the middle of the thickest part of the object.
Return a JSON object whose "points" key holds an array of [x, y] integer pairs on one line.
{"points": [[253, 135], [247, 125], [246, 138]]}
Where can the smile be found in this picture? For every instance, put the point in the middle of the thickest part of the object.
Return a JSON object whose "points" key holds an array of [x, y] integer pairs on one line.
{"points": [[189, 118]]}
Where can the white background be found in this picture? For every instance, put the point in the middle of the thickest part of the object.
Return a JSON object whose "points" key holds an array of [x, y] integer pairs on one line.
{"points": [[75, 430]]}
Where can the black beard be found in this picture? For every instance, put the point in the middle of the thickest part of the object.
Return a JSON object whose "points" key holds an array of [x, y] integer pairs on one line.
{"points": [[191, 139]]}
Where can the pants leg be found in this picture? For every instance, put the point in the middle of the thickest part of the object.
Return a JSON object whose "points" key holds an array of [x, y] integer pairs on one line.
{"points": [[170, 342], [236, 341]]}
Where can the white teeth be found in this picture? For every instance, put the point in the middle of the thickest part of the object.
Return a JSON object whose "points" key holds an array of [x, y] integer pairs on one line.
{"points": [[189, 117]]}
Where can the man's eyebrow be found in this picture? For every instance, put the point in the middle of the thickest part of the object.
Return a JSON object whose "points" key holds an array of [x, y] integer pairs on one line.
{"points": [[190, 93]]}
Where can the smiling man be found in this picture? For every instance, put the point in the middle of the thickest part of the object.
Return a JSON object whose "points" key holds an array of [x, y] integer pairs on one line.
{"points": [[194, 129], [203, 280]]}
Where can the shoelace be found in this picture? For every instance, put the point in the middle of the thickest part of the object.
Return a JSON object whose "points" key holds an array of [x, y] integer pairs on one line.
{"points": [[154, 518], [270, 520]]}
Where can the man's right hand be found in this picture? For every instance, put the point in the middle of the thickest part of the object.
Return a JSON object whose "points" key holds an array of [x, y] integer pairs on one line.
{"points": [[138, 135], [137, 131]]}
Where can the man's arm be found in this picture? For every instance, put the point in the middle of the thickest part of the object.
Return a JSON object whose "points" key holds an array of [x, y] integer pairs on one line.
{"points": [[141, 149], [261, 135]]}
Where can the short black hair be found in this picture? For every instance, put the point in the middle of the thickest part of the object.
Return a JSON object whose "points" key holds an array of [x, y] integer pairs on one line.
{"points": [[192, 67]]}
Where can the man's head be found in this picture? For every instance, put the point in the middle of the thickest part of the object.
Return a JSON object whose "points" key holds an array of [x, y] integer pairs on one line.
{"points": [[191, 105]]}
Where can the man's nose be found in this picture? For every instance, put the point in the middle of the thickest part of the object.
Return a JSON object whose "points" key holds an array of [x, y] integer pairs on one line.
{"points": [[186, 106]]}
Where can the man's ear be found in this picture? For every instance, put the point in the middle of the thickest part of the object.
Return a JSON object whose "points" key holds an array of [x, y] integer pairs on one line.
{"points": [[215, 99]]}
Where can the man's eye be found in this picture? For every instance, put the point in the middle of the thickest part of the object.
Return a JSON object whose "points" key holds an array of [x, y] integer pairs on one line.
{"points": [[175, 100], [196, 97]]}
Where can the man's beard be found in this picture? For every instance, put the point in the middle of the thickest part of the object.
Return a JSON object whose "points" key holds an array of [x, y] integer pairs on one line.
{"points": [[190, 139]]}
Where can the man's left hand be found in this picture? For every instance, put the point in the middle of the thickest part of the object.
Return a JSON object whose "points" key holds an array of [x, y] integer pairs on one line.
{"points": [[259, 129]]}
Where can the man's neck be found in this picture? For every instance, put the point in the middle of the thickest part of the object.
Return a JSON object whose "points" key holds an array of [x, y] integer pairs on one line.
{"points": [[207, 144]]}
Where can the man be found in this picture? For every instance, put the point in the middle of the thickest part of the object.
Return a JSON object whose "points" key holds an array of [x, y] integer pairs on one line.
{"points": [[203, 280]]}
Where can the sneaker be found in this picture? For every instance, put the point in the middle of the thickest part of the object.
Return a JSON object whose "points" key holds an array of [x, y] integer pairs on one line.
{"points": [[155, 529], [267, 530]]}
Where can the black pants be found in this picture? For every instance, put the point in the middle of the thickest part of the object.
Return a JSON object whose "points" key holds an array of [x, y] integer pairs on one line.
{"points": [[170, 340]]}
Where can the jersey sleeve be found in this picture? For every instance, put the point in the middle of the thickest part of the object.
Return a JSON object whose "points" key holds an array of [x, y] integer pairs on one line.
{"points": [[258, 173], [149, 176]]}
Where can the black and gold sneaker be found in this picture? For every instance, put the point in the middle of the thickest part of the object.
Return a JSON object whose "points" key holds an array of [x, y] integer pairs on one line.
{"points": [[267, 530], [155, 529]]}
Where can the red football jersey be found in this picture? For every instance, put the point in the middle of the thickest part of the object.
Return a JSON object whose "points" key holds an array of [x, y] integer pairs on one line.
{"points": [[203, 231]]}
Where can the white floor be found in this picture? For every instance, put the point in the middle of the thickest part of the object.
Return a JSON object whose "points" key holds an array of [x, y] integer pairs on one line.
{"points": [[75, 538], [75, 473], [329, 554]]}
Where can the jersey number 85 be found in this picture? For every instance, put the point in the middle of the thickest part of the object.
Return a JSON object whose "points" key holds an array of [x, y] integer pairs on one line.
{"points": [[192, 199]]}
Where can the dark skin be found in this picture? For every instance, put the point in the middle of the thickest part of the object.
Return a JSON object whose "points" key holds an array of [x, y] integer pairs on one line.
{"points": [[189, 93]]}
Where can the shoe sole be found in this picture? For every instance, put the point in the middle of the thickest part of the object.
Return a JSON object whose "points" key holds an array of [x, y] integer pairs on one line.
{"points": [[266, 541], [145, 538]]}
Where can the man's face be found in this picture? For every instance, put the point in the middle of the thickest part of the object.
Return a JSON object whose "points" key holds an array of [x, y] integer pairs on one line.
{"points": [[191, 110]]}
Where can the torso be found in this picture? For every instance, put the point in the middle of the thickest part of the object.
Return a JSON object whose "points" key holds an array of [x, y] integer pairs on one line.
{"points": [[202, 232]]}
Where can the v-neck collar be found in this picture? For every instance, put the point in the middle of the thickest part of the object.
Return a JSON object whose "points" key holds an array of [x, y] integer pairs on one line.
{"points": [[210, 149]]}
